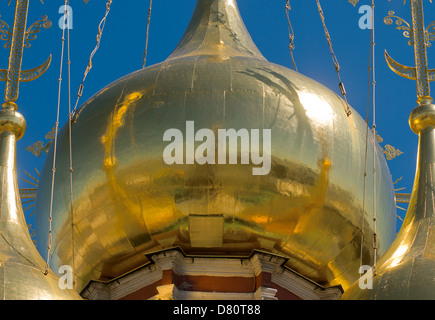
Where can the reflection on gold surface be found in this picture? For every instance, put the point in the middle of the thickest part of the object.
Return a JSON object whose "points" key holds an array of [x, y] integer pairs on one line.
{"points": [[317, 109], [398, 255], [116, 121], [315, 201]]}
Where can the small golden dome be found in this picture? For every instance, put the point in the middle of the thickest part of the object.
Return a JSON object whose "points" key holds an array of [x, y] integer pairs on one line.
{"points": [[407, 270], [22, 270], [304, 200]]}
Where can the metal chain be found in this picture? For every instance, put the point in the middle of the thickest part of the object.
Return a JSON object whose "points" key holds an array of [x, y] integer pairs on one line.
{"points": [[371, 76], [366, 143], [147, 35], [375, 235], [50, 218], [71, 116], [334, 59], [79, 94], [89, 67], [291, 34], [70, 154]]}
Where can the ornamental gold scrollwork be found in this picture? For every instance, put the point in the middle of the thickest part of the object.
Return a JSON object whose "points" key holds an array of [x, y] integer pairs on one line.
{"points": [[39, 147], [401, 25], [379, 139], [31, 33], [35, 73], [35, 28], [52, 134], [36, 149], [28, 200], [403, 197], [391, 152], [17, 39], [354, 2], [404, 1], [28, 193], [401, 70], [430, 35], [404, 71], [420, 37], [5, 33]]}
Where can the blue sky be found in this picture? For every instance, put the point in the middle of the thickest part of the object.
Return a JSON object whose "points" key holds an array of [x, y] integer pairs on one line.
{"points": [[123, 44]]}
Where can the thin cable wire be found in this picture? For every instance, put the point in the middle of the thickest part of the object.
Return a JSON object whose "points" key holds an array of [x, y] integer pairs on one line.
{"points": [[89, 67], [291, 34], [147, 35], [70, 151], [369, 84], [375, 238], [334, 59], [50, 219]]}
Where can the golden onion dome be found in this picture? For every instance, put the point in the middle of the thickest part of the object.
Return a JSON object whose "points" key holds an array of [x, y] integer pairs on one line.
{"points": [[23, 273], [407, 270], [156, 166]]}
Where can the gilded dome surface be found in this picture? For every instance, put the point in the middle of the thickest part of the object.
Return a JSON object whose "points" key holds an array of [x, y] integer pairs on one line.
{"points": [[150, 171]]}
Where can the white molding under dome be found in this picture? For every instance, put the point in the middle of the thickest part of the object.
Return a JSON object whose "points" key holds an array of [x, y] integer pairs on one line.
{"points": [[172, 275]]}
